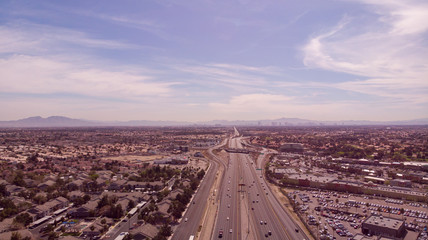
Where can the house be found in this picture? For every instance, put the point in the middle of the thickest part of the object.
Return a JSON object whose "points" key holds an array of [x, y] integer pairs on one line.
{"points": [[163, 206], [40, 211], [77, 184], [75, 194], [85, 211], [98, 227], [14, 190], [44, 185], [117, 185], [145, 231], [173, 194], [62, 202]]}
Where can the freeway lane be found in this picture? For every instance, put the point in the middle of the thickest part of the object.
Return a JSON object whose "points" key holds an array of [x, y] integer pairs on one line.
{"points": [[228, 219], [266, 219], [195, 211]]}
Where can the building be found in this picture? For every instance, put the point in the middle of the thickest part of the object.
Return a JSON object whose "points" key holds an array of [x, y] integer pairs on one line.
{"points": [[401, 183], [384, 226], [374, 180], [292, 147]]}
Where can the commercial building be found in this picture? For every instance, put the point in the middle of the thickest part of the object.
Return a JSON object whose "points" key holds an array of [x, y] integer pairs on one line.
{"points": [[401, 183], [383, 226]]}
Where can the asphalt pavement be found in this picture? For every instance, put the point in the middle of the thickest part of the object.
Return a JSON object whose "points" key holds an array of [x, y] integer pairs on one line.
{"points": [[244, 186]]}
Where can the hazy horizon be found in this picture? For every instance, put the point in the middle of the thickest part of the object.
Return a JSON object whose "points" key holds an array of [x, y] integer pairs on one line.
{"points": [[193, 61]]}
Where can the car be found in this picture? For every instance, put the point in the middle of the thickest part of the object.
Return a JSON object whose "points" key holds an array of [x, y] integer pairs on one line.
{"points": [[185, 219], [265, 222], [252, 208], [230, 230], [297, 230], [220, 233], [228, 206], [270, 233], [261, 222], [266, 235], [227, 218]]}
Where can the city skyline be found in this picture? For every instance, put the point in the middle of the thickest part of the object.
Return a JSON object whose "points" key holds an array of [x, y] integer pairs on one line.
{"points": [[203, 60]]}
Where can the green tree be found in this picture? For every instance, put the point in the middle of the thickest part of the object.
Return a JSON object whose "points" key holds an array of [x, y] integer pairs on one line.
{"points": [[3, 191], [165, 230], [15, 236], [131, 204], [23, 218]]}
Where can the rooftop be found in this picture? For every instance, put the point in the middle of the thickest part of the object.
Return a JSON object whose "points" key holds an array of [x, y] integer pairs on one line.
{"points": [[384, 222]]}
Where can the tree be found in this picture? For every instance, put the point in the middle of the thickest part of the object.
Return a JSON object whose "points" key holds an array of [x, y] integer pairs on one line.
{"points": [[15, 236], [33, 158], [131, 204], [165, 230], [3, 191], [23, 218], [116, 211], [93, 176], [201, 174], [104, 201]]}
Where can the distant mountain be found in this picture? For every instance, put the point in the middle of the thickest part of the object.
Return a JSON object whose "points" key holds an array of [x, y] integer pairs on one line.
{"points": [[59, 121], [54, 121], [136, 123]]}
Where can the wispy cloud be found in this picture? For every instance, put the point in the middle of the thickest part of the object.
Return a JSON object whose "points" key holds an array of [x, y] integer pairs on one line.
{"points": [[231, 75], [23, 37], [253, 102], [41, 75], [389, 55], [150, 26]]}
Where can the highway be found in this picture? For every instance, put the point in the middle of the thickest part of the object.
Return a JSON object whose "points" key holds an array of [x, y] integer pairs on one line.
{"points": [[248, 209], [194, 212]]}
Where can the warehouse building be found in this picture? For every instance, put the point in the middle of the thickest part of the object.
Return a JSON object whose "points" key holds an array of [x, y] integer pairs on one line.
{"points": [[384, 226]]}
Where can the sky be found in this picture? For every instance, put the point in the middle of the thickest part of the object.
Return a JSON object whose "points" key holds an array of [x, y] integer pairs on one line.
{"points": [[201, 60]]}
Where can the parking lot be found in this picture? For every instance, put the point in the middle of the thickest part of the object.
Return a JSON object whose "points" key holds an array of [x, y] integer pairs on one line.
{"points": [[330, 214]]}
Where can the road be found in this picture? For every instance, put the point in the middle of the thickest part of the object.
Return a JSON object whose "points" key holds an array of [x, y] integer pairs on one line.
{"points": [[248, 209], [195, 211], [123, 226]]}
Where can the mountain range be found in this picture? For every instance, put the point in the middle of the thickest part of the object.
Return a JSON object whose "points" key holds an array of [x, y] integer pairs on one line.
{"points": [[60, 121]]}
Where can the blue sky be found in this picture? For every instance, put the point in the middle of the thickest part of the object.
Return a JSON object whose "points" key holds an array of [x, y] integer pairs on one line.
{"points": [[205, 60]]}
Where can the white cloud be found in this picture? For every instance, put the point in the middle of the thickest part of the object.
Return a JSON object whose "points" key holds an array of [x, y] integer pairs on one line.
{"points": [[42, 75], [404, 16], [29, 38], [253, 103], [235, 76], [390, 53]]}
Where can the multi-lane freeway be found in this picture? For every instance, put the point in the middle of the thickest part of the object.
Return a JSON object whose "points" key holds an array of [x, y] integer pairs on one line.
{"points": [[248, 209], [191, 220]]}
